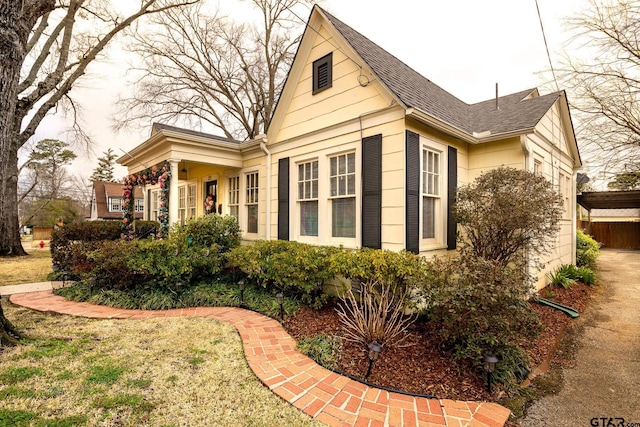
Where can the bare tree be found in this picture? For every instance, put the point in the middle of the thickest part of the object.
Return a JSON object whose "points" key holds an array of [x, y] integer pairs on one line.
{"points": [[205, 69], [604, 83], [45, 47]]}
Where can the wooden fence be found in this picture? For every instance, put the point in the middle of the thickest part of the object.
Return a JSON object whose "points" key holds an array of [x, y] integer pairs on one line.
{"points": [[618, 235], [42, 233]]}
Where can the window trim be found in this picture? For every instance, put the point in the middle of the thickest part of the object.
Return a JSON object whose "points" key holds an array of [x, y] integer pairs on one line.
{"points": [[324, 198], [231, 196], [255, 203], [439, 241], [302, 199], [317, 64]]}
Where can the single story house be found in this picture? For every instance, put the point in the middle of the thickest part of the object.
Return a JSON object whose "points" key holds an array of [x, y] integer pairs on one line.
{"points": [[106, 201], [363, 151]]}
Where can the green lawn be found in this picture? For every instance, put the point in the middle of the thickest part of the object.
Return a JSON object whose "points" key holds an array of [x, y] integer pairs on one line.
{"points": [[29, 269], [160, 372]]}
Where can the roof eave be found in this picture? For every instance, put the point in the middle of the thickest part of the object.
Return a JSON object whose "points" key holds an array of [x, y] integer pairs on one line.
{"points": [[170, 136], [475, 138]]}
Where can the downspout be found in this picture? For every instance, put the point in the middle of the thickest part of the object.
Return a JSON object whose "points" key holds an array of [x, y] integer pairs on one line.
{"points": [[526, 149], [263, 147]]}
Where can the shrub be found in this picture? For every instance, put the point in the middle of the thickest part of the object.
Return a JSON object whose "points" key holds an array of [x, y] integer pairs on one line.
{"points": [[587, 250], [587, 276], [298, 269], [565, 276], [145, 229], [376, 314], [220, 230], [507, 213], [71, 243], [479, 307], [151, 264], [391, 268]]}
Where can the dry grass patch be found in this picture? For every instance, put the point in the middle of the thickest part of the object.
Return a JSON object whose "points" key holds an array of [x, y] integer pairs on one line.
{"points": [[160, 372], [30, 269]]}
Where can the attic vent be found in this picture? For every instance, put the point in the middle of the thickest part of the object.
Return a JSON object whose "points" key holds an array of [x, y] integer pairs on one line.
{"points": [[322, 73]]}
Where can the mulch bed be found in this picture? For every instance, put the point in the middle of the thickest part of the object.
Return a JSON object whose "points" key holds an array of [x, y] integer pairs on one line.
{"points": [[424, 367]]}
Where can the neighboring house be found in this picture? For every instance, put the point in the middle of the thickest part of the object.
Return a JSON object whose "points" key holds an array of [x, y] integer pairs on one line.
{"points": [[363, 151], [106, 201]]}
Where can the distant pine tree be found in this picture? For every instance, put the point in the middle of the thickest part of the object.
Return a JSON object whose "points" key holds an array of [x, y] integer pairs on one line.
{"points": [[104, 170]]}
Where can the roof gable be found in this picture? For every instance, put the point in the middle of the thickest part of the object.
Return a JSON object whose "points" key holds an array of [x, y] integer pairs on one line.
{"points": [[516, 112]]}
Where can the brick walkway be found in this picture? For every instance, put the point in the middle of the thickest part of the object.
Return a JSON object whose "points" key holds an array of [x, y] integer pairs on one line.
{"points": [[330, 398]]}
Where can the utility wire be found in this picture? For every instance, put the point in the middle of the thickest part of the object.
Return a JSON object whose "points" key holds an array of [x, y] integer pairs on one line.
{"points": [[547, 46]]}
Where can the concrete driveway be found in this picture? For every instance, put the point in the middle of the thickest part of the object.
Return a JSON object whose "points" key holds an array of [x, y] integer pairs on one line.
{"points": [[603, 389]]}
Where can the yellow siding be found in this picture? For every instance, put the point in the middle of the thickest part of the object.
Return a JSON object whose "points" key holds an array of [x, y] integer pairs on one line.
{"points": [[344, 101], [490, 155]]}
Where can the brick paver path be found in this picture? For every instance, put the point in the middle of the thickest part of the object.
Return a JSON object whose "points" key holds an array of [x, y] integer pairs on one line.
{"points": [[330, 398]]}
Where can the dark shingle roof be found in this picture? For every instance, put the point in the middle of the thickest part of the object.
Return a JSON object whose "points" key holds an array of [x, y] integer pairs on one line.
{"points": [[156, 127], [103, 190], [416, 91]]}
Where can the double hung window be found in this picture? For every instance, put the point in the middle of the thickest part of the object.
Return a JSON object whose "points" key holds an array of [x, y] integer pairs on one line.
{"points": [[251, 203], [308, 197], [342, 194]]}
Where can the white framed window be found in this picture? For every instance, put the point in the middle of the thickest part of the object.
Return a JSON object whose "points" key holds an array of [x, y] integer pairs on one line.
{"points": [[115, 204], [308, 197], [564, 186], [191, 200], [538, 167], [182, 204], [431, 182], [342, 195], [251, 201], [139, 205], [155, 194], [234, 196]]}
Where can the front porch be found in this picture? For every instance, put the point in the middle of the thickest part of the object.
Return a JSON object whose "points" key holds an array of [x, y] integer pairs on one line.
{"points": [[202, 175]]}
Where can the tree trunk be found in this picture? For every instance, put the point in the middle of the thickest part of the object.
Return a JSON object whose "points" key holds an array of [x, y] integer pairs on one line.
{"points": [[16, 21], [9, 336]]}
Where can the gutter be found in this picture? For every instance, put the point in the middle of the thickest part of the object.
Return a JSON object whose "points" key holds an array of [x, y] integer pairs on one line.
{"points": [[263, 147], [475, 138]]}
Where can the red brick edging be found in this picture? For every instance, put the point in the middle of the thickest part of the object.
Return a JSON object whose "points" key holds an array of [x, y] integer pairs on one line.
{"points": [[325, 395]]}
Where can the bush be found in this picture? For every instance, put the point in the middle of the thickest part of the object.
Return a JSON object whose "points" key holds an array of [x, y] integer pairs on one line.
{"points": [[152, 264], [587, 250], [567, 274], [209, 294], [71, 243], [220, 230], [298, 269], [146, 229], [587, 276], [480, 307], [376, 314], [507, 213], [391, 268], [564, 276]]}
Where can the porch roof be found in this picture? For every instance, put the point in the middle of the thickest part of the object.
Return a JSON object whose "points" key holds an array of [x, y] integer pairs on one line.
{"points": [[609, 199]]}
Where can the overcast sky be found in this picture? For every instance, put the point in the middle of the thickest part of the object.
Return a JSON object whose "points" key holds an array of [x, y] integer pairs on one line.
{"points": [[464, 46]]}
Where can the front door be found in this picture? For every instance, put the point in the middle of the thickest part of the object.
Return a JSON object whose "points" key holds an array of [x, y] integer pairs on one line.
{"points": [[211, 196]]}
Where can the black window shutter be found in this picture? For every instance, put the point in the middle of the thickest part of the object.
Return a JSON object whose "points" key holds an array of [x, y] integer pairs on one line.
{"points": [[412, 209], [283, 199], [452, 186], [372, 192]]}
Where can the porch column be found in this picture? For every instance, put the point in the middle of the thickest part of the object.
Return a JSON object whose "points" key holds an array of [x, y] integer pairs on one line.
{"points": [[173, 191]]}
